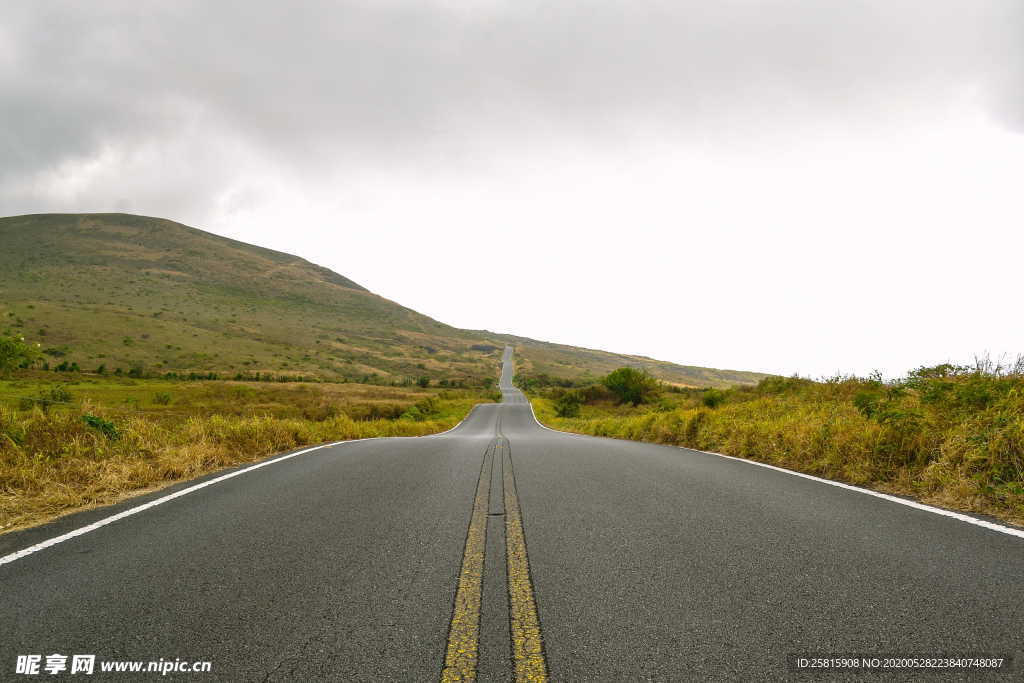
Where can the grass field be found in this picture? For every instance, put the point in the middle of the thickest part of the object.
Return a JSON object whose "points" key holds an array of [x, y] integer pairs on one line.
{"points": [[949, 436], [92, 441], [170, 399]]}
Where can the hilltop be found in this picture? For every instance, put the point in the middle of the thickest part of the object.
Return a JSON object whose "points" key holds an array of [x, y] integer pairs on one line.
{"points": [[127, 291]]}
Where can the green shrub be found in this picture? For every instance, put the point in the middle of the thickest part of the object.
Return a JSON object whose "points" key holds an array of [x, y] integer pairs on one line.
{"points": [[162, 398], [105, 427], [423, 410], [632, 386], [713, 398], [568, 404]]}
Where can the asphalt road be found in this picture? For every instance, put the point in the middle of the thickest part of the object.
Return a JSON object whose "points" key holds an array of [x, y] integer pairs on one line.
{"points": [[508, 549]]}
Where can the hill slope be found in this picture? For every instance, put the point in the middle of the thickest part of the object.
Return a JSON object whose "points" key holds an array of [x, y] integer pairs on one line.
{"points": [[122, 291]]}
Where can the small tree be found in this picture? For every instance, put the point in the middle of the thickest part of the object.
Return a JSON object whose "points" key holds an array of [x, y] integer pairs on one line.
{"points": [[632, 386], [423, 382], [15, 352]]}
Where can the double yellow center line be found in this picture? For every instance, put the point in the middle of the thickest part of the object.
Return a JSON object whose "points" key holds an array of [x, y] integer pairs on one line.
{"points": [[462, 654], [527, 646], [460, 659]]}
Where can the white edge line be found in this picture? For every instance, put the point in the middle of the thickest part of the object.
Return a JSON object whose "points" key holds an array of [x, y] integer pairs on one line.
{"points": [[159, 501], [556, 431], [178, 494], [991, 526]]}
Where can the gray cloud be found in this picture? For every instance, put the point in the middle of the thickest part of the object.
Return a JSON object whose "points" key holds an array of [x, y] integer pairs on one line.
{"points": [[169, 103]]}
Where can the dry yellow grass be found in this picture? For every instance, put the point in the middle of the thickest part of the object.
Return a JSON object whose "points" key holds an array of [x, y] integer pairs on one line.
{"points": [[55, 463]]}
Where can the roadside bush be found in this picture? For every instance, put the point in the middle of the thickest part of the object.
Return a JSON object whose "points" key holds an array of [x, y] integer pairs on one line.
{"points": [[632, 386], [713, 398], [568, 405], [423, 410]]}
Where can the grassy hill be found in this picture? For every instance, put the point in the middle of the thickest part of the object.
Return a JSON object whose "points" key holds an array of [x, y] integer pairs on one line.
{"points": [[126, 291], [558, 360]]}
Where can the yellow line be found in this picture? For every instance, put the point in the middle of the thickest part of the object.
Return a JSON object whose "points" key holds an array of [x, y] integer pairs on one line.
{"points": [[527, 646], [464, 632]]}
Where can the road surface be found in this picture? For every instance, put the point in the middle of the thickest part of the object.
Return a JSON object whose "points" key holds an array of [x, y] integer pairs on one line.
{"points": [[509, 551]]}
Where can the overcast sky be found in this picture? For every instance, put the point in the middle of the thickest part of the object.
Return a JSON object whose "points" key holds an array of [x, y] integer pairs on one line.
{"points": [[808, 186]]}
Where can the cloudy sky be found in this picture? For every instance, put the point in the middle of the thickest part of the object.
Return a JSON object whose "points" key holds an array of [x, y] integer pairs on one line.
{"points": [[780, 185]]}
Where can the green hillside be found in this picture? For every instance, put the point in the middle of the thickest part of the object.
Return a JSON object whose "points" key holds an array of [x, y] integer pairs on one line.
{"points": [[128, 291]]}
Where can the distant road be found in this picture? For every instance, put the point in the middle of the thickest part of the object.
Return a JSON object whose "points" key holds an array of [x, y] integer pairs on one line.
{"points": [[509, 550]]}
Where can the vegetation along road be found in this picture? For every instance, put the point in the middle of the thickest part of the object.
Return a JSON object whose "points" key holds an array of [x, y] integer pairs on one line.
{"points": [[503, 550]]}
